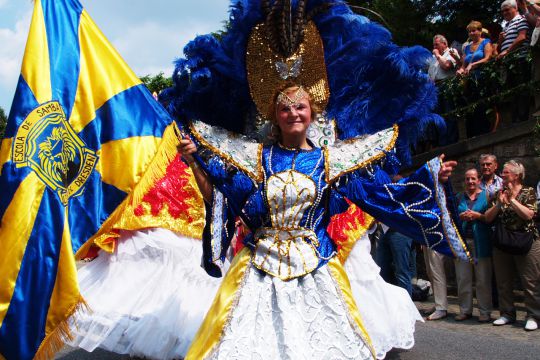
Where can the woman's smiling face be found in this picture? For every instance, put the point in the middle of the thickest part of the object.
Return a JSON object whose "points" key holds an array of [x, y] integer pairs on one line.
{"points": [[294, 119]]}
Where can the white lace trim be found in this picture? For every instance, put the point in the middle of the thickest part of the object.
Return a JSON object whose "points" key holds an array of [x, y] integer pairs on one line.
{"points": [[298, 319]]}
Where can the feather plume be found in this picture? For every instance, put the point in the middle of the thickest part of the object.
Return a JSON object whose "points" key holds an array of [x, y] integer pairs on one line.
{"points": [[388, 85]]}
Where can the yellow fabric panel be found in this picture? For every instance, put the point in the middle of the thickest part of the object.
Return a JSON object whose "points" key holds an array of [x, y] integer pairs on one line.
{"points": [[65, 295], [123, 162], [340, 277], [20, 215], [210, 332], [103, 73], [354, 233], [5, 152], [36, 67], [128, 215]]}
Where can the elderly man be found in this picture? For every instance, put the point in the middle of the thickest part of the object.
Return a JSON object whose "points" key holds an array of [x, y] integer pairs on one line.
{"points": [[514, 32], [444, 59], [444, 64], [490, 181]]}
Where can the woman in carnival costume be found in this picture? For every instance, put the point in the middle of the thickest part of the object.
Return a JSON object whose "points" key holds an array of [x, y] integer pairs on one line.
{"points": [[292, 291]]}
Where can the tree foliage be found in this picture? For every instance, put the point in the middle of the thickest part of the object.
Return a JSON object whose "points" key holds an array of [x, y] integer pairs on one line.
{"points": [[157, 83], [415, 22], [3, 122]]}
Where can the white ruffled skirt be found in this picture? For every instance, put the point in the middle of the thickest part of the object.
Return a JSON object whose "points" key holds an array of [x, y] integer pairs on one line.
{"points": [[388, 313], [304, 318], [149, 298]]}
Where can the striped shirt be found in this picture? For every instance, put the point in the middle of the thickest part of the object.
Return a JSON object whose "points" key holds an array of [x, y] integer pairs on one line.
{"points": [[511, 30], [492, 188]]}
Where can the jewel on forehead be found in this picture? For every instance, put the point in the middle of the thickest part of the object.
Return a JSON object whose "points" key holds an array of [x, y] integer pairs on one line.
{"points": [[285, 99]]}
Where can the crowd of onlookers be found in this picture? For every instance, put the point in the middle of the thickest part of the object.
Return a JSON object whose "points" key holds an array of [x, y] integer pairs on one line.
{"points": [[498, 215], [519, 30], [520, 20]]}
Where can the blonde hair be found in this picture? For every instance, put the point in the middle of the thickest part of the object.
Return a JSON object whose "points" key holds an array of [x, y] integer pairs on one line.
{"points": [[287, 88], [516, 168], [474, 25]]}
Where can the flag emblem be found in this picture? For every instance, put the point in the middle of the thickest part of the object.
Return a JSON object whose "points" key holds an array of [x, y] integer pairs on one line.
{"points": [[47, 144]]}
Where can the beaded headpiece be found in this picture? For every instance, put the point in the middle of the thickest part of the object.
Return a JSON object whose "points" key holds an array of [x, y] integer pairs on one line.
{"points": [[269, 44], [274, 60], [284, 98]]}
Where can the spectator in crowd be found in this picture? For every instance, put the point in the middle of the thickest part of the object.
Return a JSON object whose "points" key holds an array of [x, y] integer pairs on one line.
{"points": [[437, 277], [477, 52], [514, 33], [444, 59], [393, 255], [473, 203], [490, 181], [515, 38], [530, 11], [444, 64], [514, 208]]}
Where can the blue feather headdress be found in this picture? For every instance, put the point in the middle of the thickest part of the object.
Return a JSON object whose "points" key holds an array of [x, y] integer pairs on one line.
{"points": [[373, 82]]}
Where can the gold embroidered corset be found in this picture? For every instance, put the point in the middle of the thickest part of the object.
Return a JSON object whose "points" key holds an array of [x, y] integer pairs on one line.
{"points": [[288, 250]]}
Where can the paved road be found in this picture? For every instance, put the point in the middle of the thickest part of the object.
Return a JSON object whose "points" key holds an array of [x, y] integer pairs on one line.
{"points": [[440, 340], [445, 340]]}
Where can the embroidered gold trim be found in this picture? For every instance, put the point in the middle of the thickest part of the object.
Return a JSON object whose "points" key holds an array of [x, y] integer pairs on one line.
{"points": [[356, 166], [304, 234], [287, 219], [255, 174]]}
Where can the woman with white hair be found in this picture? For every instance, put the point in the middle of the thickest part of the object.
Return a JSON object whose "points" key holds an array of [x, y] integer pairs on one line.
{"points": [[514, 209]]}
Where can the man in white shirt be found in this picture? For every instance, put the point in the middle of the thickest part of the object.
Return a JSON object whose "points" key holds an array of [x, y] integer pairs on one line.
{"points": [[444, 59], [443, 66]]}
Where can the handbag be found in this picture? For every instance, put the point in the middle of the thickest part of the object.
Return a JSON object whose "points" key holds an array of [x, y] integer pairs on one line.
{"points": [[512, 242]]}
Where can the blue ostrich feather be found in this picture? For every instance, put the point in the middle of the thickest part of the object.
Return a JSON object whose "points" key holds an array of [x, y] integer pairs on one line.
{"points": [[374, 83]]}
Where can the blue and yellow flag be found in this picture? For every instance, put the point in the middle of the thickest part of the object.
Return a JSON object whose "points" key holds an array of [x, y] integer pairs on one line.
{"points": [[82, 132]]}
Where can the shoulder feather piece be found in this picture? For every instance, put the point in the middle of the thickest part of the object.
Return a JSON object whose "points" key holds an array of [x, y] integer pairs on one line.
{"points": [[373, 82]]}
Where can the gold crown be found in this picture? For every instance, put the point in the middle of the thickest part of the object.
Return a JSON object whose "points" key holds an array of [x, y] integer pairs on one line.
{"points": [[267, 71]]}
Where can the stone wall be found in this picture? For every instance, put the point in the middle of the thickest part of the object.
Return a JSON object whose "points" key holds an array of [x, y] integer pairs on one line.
{"points": [[520, 148], [514, 142], [511, 140]]}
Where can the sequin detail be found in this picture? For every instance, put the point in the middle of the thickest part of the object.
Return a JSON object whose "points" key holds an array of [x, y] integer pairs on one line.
{"points": [[216, 227], [265, 78], [287, 250], [349, 155], [239, 150]]}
